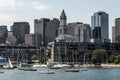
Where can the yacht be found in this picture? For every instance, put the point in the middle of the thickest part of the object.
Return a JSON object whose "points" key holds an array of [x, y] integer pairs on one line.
{"points": [[47, 71], [26, 68]]}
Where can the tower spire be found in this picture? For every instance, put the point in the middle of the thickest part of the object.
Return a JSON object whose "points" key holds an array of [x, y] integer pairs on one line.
{"points": [[63, 23], [63, 15]]}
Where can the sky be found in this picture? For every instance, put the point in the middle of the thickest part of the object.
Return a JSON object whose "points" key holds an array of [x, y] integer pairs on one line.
{"points": [[76, 10]]}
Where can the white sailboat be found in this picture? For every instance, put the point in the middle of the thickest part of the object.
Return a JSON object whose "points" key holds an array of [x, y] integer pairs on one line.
{"points": [[59, 64], [9, 65], [47, 71], [26, 68], [84, 67], [72, 69]]}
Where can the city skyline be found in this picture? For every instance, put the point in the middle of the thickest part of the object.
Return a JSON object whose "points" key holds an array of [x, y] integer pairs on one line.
{"points": [[76, 11]]}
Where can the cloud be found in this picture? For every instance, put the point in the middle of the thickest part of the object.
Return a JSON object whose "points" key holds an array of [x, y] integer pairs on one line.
{"points": [[6, 17], [40, 6], [7, 3], [19, 4]]}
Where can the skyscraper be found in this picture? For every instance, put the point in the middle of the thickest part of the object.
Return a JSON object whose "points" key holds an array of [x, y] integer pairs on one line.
{"points": [[63, 24], [19, 30], [3, 34], [99, 24], [80, 31], [29, 39], [117, 30], [45, 30], [113, 34], [39, 30]]}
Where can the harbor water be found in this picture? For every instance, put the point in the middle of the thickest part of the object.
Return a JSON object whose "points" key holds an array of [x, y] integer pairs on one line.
{"points": [[60, 74]]}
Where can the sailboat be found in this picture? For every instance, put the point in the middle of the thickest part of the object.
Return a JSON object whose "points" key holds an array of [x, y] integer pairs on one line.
{"points": [[47, 71], [26, 68], [59, 65], [72, 69], [84, 67], [9, 65]]}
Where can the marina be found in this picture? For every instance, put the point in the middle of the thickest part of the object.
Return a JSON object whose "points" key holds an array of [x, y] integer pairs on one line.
{"points": [[60, 74]]}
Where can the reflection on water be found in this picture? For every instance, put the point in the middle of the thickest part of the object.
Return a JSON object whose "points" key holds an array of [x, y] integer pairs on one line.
{"points": [[60, 74]]}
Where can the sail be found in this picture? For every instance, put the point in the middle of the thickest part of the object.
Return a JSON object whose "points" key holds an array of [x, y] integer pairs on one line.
{"points": [[10, 64]]}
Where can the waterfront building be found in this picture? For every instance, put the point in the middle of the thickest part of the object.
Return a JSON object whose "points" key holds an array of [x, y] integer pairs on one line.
{"points": [[19, 30], [79, 52], [100, 27], [80, 31], [18, 53], [3, 34], [64, 52], [29, 39], [45, 30], [117, 30]]}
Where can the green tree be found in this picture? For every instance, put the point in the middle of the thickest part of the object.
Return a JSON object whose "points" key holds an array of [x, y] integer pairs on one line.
{"points": [[99, 56], [112, 58], [34, 57], [117, 59]]}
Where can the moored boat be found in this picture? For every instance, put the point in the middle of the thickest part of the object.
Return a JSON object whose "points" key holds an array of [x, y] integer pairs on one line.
{"points": [[1, 71], [46, 72], [72, 70], [30, 69], [83, 69]]}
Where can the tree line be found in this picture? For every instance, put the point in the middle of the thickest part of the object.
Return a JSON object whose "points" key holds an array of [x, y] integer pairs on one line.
{"points": [[101, 56]]}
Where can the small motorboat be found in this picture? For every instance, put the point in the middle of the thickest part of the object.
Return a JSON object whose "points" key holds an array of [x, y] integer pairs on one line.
{"points": [[30, 69], [83, 69], [1, 72], [27, 69], [72, 70], [46, 72]]}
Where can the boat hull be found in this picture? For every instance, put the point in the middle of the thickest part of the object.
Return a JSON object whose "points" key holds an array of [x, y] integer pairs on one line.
{"points": [[1, 72], [49, 72], [71, 70]]}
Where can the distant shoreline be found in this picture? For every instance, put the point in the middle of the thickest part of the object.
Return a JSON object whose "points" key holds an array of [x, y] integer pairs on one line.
{"points": [[110, 65], [101, 66]]}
